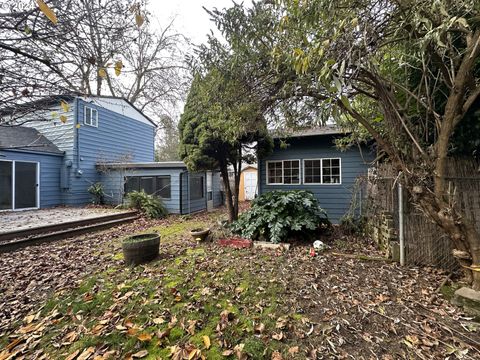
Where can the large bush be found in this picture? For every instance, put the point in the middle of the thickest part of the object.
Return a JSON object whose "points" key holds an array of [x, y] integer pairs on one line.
{"points": [[279, 215], [150, 205]]}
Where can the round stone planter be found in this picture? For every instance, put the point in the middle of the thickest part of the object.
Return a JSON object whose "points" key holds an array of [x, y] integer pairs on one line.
{"points": [[200, 234], [138, 249]]}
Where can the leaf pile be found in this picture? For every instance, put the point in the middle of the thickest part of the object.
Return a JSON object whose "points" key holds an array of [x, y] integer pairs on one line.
{"points": [[215, 303]]}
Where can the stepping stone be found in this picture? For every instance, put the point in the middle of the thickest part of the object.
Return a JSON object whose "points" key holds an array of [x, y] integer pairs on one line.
{"points": [[271, 246], [469, 299]]}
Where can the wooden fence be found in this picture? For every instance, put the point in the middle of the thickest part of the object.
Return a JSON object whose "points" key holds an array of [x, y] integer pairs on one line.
{"points": [[425, 243]]}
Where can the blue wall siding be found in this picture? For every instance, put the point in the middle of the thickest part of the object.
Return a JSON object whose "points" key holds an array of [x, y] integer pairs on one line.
{"points": [[50, 165], [335, 199], [113, 182], [116, 139]]}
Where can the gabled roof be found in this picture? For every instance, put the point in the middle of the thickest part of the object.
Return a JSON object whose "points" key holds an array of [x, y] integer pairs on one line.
{"points": [[50, 100], [316, 131], [27, 139]]}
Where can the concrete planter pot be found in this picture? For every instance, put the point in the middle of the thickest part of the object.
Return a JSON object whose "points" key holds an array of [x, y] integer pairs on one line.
{"points": [[200, 234], [139, 249]]}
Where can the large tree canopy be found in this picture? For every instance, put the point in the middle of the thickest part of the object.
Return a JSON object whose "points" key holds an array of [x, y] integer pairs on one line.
{"points": [[220, 127], [87, 47]]}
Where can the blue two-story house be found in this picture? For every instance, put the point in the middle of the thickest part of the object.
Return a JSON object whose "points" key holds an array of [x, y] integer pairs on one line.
{"points": [[309, 160], [71, 142]]}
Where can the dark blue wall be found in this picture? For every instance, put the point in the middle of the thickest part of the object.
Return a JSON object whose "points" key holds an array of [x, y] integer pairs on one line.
{"points": [[334, 198]]}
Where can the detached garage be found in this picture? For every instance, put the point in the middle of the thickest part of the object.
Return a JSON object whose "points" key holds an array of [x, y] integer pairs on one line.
{"points": [[29, 170]]}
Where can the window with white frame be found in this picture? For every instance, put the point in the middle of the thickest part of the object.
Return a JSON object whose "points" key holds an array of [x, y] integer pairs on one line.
{"points": [[312, 171], [322, 171], [91, 117], [283, 172]]}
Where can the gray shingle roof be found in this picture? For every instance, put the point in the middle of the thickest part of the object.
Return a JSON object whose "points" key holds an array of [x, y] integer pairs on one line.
{"points": [[25, 138]]}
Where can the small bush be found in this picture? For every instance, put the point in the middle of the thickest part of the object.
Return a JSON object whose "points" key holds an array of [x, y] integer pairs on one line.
{"points": [[279, 215], [98, 194], [350, 225], [150, 205]]}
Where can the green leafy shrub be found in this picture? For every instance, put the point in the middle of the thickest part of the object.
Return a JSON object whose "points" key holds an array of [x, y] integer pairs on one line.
{"points": [[150, 205], [97, 192], [279, 215]]}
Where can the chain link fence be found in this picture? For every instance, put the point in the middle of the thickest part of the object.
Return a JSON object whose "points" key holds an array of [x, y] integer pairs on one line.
{"points": [[425, 242]]}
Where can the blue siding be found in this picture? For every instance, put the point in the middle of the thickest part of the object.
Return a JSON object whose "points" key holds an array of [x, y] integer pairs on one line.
{"points": [[50, 165], [116, 139], [333, 198]]}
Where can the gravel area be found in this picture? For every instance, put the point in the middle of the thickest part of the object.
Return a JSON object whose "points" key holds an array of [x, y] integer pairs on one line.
{"points": [[20, 220]]}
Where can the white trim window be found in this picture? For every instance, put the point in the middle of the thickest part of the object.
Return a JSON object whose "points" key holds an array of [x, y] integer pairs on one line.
{"points": [[90, 117], [283, 172], [326, 171]]}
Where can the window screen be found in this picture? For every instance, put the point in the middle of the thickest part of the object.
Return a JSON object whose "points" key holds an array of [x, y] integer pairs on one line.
{"points": [[163, 188], [196, 188]]}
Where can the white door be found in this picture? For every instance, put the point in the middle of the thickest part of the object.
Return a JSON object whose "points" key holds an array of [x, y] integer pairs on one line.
{"points": [[209, 191], [250, 179]]}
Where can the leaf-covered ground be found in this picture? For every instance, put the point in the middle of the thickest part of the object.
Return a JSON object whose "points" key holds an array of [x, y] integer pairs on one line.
{"points": [[75, 300]]}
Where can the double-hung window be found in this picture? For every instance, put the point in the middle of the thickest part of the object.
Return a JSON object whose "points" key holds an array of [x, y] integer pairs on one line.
{"points": [[91, 117], [322, 171], [283, 172]]}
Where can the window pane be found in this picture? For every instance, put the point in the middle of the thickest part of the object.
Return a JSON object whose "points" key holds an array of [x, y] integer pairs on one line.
{"points": [[196, 187], [132, 183], [312, 168], [25, 185], [331, 171], [274, 170], [146, 184], [94, 117], [291, 172], [163, 188], [5, 185]]}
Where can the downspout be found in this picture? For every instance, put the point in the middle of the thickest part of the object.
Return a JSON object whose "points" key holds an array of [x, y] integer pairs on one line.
{"points": [[77, 138], [401, 236]]}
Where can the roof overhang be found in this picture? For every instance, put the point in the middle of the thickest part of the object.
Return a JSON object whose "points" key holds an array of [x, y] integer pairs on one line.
{"points": [[145, 165]]}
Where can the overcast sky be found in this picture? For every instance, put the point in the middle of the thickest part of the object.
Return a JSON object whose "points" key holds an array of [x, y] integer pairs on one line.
{"points": [[190, 18]]}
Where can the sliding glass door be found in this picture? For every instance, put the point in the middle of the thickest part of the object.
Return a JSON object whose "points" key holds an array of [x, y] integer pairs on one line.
{"points": [[18, 185]]}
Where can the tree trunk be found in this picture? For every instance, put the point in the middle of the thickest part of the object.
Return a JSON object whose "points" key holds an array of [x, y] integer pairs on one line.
{"points": [[462, 232], [228, 193]]}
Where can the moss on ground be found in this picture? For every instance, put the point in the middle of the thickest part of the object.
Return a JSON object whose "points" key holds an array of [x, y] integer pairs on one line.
{"points": [[112, 309]]}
